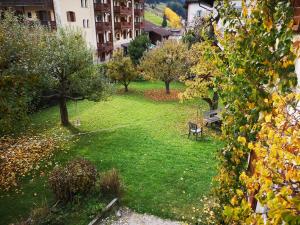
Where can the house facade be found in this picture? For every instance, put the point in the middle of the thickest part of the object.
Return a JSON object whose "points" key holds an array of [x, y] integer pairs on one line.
{"points": [[202, 8], [105, 24]]}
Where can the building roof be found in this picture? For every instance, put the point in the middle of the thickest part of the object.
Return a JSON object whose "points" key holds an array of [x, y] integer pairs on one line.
{"points": [[150, 27], [209, 3], [22, 3]]}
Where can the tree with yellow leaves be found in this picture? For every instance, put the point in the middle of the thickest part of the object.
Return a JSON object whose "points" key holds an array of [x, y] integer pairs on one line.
{"points": [[257, 62], [275, 180], [202, 73], [174, 19]]}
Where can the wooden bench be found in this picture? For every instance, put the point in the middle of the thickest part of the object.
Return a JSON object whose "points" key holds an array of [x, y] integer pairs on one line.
{"points": [[212, 117]]}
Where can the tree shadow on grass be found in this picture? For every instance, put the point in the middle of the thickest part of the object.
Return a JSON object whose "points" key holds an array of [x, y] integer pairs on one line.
{"points": [[73, 129]]}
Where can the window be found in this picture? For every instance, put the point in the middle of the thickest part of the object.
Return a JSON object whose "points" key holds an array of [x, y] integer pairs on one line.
{"points": [[199, 13], [99, 18], [83, 23], [29, 15], [118, 36], [82, 3], [86, 3], [87, 23], [71, 16], [124, 34]]}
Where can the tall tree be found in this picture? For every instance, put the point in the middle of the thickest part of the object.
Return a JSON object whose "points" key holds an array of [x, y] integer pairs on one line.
{"points": [[137, 47], [203, 72], [20, 69], [257, 61], [120, 68], [71, 71], [164, 22], [166, 62]]}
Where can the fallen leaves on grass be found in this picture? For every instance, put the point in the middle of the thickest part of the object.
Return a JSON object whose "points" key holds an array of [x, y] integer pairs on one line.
{"points": [[160, 95], [19, 156]]}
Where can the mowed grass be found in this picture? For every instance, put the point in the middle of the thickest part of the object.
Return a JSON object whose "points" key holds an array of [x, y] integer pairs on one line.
{"points": [[164, 172], [153, 18]]}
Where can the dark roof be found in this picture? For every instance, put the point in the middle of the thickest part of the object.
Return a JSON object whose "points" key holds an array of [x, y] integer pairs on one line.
{"points": [[210, 3], [150, 27]]}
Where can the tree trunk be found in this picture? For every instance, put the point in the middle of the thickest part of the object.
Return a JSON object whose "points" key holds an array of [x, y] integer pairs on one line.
{"points": [[167, 84], [214, 102], [126, 87], [64, 117]]}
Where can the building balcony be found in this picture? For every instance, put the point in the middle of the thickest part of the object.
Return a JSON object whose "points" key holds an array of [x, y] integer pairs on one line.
{"points": [[122, 10], [123, 25], [139, 25], [102, 7], [50, 24], [139, 12], [104, 47], [103, 26]]}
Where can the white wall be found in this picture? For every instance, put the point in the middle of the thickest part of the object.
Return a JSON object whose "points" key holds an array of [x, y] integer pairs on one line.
{"points": [[81, 13], [193, 12]]}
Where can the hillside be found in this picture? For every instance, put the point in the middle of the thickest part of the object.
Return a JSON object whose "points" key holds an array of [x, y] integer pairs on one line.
{"points": [[154, 13]]}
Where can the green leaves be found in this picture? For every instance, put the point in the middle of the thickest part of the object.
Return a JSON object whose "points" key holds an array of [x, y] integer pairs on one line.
{"points": [[120, 68]]}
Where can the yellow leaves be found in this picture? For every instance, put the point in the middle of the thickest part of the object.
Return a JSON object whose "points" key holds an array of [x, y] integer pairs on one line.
{"points": [[20, 156], [251, 105], [240, 71], [268, 24], [173, 18], [287, 63], [234, 201], [242, 140], [268, 118], [250, 146]]}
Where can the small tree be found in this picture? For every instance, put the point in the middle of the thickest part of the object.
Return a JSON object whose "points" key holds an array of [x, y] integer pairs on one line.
{"points": [[164, 22], [121, 68], [137, 47], [166, 62], [70, 70]]}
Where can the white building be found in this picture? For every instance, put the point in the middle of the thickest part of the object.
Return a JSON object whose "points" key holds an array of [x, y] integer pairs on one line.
{"points": [[202, 8], [105, 24]]}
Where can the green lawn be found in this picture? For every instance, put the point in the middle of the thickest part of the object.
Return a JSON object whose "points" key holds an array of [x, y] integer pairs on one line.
{"points": [[153, 18], [164, 173]]}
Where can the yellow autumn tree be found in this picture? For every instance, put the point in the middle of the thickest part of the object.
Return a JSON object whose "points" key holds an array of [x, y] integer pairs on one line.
{"points": [[275, 181], [173, 18]]}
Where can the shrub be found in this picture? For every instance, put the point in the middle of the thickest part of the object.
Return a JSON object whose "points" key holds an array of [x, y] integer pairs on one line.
{"points": [[110, 183], [77, 177]]}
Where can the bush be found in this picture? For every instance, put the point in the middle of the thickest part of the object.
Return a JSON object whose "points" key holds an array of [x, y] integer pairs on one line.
{"points": [[77, 177], [110, 183]]}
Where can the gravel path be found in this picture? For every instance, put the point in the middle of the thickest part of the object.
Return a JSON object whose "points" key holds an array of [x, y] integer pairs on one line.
{"points": [[128, 217]]}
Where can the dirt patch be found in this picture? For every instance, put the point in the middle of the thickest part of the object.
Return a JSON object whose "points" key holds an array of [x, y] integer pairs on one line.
{"points": [[160, 95]]}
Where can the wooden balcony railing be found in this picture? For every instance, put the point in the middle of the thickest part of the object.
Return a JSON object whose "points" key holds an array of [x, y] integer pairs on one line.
{"points": [[139, 25], [102, 7], [122, 10], [123, 25], [103, 25], [104, 47], [138, 12], [50, 24]]}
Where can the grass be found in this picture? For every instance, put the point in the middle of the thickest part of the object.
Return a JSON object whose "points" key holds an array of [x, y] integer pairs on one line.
{"points": [[153, 18], [164, 173]]}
